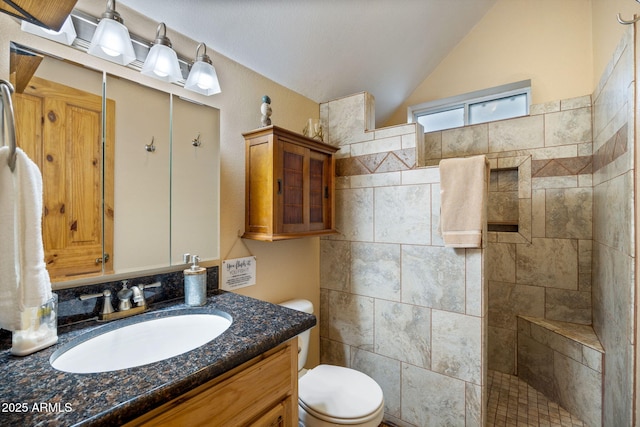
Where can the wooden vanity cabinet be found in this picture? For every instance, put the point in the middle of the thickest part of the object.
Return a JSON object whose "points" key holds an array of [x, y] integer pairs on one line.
{"points": [[289, 188], [262, 392]]}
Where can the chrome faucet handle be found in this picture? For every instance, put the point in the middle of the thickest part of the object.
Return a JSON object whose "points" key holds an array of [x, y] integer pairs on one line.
{"points": [[106, 307], [138, 293]]}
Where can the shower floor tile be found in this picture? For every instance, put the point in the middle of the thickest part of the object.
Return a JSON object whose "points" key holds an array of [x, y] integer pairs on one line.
{"points": [[513, 403]]}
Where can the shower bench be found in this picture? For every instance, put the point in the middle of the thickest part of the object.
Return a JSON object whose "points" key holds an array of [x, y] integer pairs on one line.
{"points": [[564, 362]]}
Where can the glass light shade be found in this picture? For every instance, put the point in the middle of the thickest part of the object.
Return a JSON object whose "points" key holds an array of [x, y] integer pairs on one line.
{"points": [[66, 35], [112, 42], [162, 63], [203, 79]]}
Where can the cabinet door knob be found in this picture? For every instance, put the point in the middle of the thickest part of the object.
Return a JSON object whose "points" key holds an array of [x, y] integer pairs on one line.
{"points": [[279, 186]]}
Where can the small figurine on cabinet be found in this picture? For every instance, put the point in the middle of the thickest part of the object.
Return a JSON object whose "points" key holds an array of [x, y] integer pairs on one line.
{"points": [[265, 109]]}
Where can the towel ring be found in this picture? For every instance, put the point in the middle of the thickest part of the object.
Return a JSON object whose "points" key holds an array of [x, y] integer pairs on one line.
{"points": [[6, 89], [625, 22]]}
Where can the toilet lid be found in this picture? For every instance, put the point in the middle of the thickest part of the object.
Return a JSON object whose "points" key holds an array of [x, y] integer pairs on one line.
{"points": [[337, 392]]}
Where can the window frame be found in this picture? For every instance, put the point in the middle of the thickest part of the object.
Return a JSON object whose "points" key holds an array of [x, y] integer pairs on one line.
{"points": [[466, 100]]}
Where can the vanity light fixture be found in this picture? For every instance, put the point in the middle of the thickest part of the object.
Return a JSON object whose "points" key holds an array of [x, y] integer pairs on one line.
{"points": [[66, 35], [203, 77], [162, 60], [111, 41]]}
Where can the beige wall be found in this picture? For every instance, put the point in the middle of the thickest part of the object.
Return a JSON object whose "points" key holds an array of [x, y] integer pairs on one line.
{"points": [[547, 41], [285, 269]]}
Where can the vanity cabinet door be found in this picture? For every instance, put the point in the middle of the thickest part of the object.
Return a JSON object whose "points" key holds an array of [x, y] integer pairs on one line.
{"points": [[289, 185], [261, 392]]}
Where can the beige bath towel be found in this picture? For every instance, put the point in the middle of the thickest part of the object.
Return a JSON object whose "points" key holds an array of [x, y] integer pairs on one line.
{"points": [[463, 201]]}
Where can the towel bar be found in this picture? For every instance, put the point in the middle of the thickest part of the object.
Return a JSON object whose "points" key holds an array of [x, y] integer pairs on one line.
{"points": [[6, 111]]}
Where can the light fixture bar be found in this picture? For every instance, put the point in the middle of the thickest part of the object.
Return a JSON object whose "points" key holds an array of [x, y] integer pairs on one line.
{"points": [[86, 25]]}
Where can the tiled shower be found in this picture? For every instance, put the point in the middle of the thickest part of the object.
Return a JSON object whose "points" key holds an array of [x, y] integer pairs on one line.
{"points": [[550, 300]]}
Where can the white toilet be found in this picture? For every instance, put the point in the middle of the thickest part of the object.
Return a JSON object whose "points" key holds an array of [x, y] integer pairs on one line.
{"points": [[333, 395]]}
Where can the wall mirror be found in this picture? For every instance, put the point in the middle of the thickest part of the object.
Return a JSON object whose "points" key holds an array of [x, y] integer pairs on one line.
{"points": [[130, 173]]}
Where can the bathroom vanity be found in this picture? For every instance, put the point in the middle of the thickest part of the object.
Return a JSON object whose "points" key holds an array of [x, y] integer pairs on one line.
{"points": [[260, 392], [247, 375]]}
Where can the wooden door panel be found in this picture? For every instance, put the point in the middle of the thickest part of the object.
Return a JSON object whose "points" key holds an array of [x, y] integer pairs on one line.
{"points": [[69, 154]]}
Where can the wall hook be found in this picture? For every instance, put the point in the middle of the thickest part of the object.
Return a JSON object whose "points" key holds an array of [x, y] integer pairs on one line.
{"points": [[625, 22], [196, 141], [150, 147]]}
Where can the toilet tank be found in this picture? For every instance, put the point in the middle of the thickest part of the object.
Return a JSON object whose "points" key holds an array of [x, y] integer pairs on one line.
{"points": [[303, 338]]}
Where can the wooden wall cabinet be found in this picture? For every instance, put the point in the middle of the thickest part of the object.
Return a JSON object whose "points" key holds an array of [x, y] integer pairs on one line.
{"points": [[259, 393], [50, 14], [290, 183]]}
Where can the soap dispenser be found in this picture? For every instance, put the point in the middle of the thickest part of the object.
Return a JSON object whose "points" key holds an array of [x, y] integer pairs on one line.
{"points": [[195, 283]]}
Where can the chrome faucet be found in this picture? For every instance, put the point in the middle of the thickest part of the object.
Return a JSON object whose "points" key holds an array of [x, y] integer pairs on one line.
{"points": [[124, 306], [124, 295]]}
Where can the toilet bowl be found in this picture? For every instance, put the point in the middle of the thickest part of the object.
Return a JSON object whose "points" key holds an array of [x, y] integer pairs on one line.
{"points": [[329, 395]]}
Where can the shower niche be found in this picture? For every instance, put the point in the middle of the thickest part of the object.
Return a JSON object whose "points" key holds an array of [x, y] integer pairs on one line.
{"points": [[509, 203], [503, 206]]}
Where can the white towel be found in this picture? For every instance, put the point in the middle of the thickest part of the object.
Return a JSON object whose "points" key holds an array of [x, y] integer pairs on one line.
{"points": [[463, 200], [24, 280]]}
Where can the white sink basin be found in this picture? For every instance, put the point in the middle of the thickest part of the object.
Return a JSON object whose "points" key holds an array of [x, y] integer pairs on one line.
{"points": [[140, 343]]}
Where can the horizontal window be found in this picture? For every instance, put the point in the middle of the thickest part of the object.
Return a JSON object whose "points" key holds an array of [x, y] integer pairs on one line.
{"points": [[498, 103]]}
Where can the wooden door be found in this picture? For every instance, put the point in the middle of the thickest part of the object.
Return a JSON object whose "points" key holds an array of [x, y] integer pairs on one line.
{"points": [[60, 128], [293, 187], [319, 191]]}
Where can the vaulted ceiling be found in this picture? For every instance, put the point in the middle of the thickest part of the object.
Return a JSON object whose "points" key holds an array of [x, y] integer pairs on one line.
{"points": [[326, 49]]}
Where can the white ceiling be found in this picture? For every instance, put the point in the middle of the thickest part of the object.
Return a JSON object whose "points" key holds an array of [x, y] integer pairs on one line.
{"points": [[326, 49]]}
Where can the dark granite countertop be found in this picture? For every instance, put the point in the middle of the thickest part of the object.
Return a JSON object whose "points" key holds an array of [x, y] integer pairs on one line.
{"points": [[32, 393]]}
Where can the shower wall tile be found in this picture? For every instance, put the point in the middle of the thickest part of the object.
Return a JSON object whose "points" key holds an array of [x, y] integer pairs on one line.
{"points": [[334, 352], [476, 291], [585, 255], [465, 141], [547, 107], [501, 351], [535, 365], [436, 235], [432, 399], [375, 180], [559, 258], [501, 262], [386, 372], [355, 221], [431, 148], [508, 300], [403, 332], [402, 214], [578, 102], [348, 118], [376, 146], [538, 210], [516, 134], [568, 213], [615, 226], [433, 277], [375, 270], [554, 182], [351, 319], [456, 344], [335, 260], [568, 127], [474, 405], [568, 306], [581, 391]]}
